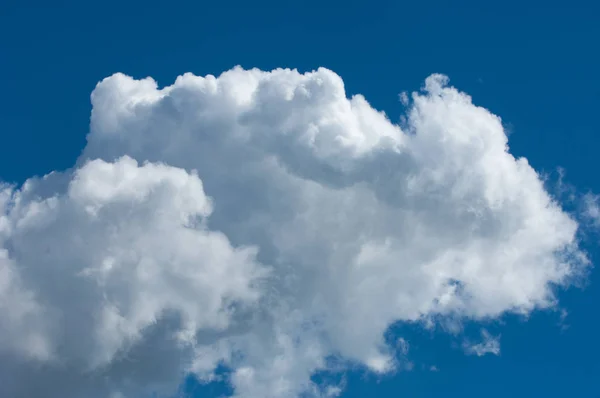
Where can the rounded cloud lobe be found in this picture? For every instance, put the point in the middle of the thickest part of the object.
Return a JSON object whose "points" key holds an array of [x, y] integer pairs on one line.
{"points": [[265, 222]]}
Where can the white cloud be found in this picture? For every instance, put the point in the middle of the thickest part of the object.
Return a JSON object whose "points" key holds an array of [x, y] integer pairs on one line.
{"points": [[403, 345], [100, 264], [325, 224], [489, 345], [591, 208]]}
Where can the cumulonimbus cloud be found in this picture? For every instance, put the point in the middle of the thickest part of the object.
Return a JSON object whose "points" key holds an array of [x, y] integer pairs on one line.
{"points": [[265, 222]]}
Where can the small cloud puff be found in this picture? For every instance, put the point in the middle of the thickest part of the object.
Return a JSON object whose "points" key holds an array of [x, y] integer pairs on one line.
{"points": [[489, 345], [591, 208]]}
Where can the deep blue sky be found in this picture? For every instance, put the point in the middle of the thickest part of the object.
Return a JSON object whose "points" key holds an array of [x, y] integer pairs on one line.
{"points": [[534, 63]]}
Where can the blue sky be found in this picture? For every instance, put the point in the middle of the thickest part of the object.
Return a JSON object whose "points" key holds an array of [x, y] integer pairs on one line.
{"points": [[532, 63]]}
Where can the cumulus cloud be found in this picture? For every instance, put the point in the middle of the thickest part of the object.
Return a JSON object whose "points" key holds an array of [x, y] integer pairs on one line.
{"points": [[93, 269], [266, 222]]}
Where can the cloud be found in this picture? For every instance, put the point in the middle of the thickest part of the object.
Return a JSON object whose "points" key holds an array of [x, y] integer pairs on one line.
{"points": [[489, 345], [591, 208], [123, 251], [265, 222]]}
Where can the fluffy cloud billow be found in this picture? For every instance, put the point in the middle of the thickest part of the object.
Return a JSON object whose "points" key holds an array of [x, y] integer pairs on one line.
{"points": [[265, 222]]}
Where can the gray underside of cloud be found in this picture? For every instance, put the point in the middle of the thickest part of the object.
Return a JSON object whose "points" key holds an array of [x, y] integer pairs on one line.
{"points": [[266, 222]]}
